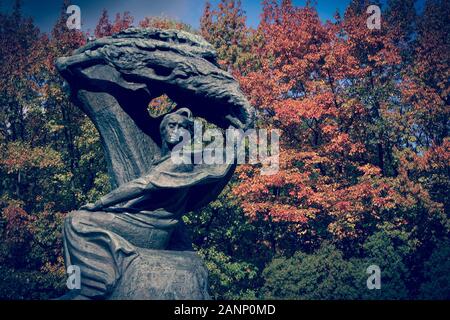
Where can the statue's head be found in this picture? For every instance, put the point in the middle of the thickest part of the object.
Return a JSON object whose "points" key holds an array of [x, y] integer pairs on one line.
{"points": [[173, 125]]}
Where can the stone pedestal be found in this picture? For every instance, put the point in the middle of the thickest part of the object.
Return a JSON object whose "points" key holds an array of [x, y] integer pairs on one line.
{"points": [[163, 275]]}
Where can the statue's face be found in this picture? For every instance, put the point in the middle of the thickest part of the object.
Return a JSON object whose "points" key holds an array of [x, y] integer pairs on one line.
{"points": [[172, 132]]}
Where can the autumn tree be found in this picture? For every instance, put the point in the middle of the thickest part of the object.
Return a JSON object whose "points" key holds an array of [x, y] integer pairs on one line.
{"points": [[225, 28], [45, 170], [426, 88], [333, 89], [162, 22], [121, 22], [106, 28]]}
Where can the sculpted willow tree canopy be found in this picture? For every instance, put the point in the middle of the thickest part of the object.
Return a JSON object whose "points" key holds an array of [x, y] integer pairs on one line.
{"points": [[116, 242]]}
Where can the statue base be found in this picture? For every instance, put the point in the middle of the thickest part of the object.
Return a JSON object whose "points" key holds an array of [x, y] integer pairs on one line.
{"points": [[159, 275], [163, 275]]}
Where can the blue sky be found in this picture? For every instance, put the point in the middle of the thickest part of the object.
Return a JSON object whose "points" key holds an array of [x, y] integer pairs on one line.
{"points": [[45, 13]]}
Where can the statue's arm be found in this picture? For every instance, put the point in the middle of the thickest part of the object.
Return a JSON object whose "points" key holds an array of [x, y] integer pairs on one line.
{"points": [[125, 192]]}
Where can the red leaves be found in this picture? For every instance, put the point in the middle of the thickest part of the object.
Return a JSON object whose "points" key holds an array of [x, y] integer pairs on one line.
{"points": [[342, 145], [105, 28], [437, 157], [163, 23], [122, 22], [329, 87], [17, 224], [293, 111], [370, 170]]}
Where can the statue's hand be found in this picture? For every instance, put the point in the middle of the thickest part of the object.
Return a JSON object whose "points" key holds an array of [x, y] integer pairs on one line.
{"points": [[91, 207]]}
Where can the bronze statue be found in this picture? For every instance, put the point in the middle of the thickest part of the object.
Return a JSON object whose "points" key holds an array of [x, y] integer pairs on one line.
{"points": [[132, 244]]}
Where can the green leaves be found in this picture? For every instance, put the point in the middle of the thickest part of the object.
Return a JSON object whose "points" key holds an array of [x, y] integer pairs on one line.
{"points": [[325, 274], [229, 279]]}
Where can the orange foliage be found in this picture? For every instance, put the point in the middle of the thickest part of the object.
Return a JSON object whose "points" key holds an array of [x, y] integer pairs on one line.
{"points": [[312, 84]]}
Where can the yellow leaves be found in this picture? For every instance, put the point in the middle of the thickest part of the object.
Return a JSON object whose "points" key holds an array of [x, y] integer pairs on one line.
{"points": [[54, 127], [290, 213], [18, 156], [63, 178], [56, 268], [370, 170]]}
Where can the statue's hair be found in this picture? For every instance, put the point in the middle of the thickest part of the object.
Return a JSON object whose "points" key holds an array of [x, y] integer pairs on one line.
{"points": [[185, 112]]}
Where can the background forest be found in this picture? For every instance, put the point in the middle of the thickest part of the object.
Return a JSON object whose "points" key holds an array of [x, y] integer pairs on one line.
{"points": [[364, 153]]}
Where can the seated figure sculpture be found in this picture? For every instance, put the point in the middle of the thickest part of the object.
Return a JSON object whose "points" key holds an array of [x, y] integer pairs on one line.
{"points": [[101, 238], [132, 243]]}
